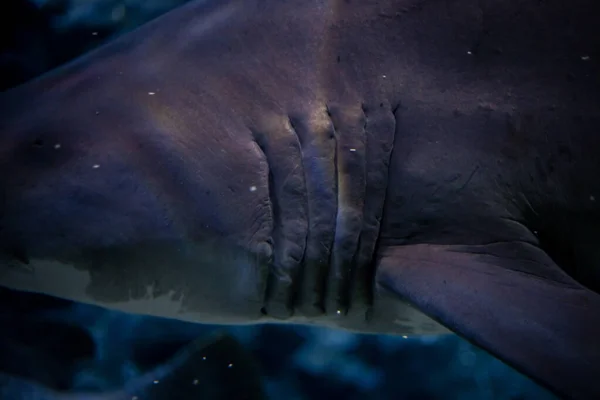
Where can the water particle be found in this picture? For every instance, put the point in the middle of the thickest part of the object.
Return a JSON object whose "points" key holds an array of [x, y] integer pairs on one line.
{"points": [[204, 358], [94, 33], [134, 398], [230, 365], [195, 382], [585, 58], [96, 166], [253, 188], [156, 381], [384, 76], [592, 198], [353, 150], [338, 312], [404, 337], [470, 52], [57, 146], [151, 93], [97, 112]]}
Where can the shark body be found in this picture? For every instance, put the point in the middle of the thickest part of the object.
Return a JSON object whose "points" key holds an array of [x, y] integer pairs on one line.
{"points": [[406, 167]]}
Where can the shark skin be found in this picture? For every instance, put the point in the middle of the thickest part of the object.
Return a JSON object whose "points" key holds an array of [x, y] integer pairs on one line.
{"points": [[404, 167]]}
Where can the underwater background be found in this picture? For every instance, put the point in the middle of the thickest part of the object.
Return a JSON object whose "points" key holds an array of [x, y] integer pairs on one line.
{"points": [[68, 347]]}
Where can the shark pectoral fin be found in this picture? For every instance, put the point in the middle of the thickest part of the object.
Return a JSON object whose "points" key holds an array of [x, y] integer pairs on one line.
{"points": [[510, 299]]}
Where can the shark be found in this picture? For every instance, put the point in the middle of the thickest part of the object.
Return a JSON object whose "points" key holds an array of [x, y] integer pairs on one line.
{"points": [[409, 167]]}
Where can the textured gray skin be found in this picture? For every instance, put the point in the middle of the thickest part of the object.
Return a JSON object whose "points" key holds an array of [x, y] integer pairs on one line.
{"points": [[328, 162]]}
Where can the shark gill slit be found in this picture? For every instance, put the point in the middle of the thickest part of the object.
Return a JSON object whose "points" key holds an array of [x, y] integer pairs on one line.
{"points": [[380, 129], [265, 286], [348, 283], [277, 300], [296, 275], [297, 282], [356, 282], [317, 138], [348, 124], [329, 282]]}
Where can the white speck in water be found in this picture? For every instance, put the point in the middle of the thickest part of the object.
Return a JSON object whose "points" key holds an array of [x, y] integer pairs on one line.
{"points": [[204, 358], [384, 76], [535, 232], [57, 146], [253, 188], [585, 58], [353, 150], [230, 365], [97, 112], [339, 312], [195, 382], [470, 52], [134, 398], [94, 33], [592, 198], [151, 93], [96, 166], [156, 381], [404, 337]]}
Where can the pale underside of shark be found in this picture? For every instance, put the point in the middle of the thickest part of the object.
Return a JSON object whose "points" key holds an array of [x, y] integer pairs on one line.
{"points": [[405, 167]]}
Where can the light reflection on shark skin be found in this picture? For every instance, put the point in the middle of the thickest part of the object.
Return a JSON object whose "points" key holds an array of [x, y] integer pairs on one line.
{"points": [[324, 161]]}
